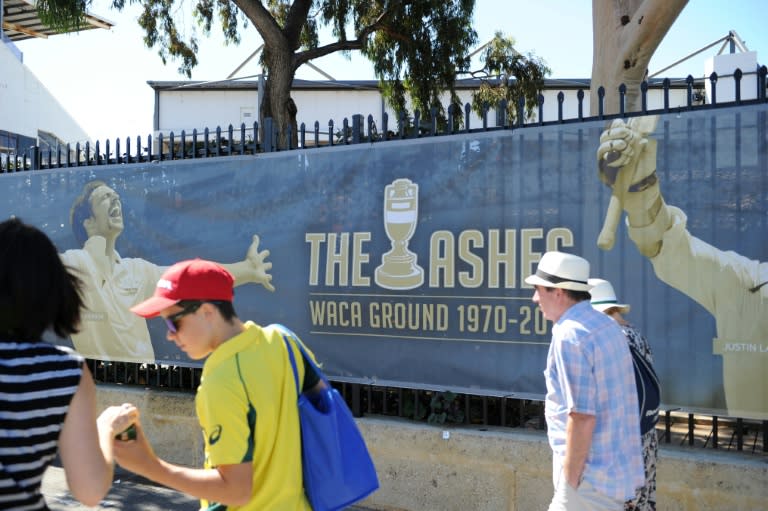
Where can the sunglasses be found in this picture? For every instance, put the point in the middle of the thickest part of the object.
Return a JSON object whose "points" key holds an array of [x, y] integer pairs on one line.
{"points": [[172, 321]]}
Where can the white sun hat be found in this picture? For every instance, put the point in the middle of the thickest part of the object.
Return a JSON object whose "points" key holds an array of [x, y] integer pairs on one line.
{"points": [[604, 297], [558, 269]]}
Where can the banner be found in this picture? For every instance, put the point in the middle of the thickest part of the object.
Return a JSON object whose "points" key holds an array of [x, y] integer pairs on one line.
{"points": [[401, 263]]}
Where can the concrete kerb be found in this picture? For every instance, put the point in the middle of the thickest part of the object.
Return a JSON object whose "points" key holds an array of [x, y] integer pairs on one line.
{"points": [[422, 467]]}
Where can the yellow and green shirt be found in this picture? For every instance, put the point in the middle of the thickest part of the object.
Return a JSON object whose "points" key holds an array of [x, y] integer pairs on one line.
{"points": [[246, 405]]}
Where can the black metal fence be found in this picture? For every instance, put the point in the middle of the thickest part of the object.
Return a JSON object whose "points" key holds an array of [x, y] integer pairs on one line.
{"points": [[447, 408], [431, 406], [248, 140]]}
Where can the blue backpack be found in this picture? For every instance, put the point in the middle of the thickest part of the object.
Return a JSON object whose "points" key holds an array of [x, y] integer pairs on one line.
{"points": [[648, 391]]}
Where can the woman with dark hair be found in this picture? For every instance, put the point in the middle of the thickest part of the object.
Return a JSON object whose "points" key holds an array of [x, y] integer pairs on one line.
{"points": [[49, 397]]}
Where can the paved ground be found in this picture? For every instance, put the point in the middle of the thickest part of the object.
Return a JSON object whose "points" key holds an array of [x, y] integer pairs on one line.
{"points": [[129, 493]]}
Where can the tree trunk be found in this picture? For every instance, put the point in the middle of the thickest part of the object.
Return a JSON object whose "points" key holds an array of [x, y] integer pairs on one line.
{"points": [[277, 102], [280, 43], [625, 33]]}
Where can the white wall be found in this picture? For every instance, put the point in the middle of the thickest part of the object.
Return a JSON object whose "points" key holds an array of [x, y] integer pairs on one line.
{"points": [[724, 65], [186, 109], [26, 106], [322, 106]]}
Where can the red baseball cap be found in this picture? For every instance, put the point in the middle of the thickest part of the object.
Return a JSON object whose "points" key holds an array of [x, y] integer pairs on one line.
{"points": [[195, 279]]}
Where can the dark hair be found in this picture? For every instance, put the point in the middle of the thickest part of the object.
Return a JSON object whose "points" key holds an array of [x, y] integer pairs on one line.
{"points": [[577, 296], [36, 290], [226, 309], [81, 210]]}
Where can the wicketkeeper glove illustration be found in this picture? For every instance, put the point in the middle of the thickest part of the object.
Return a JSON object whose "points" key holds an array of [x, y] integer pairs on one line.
{"points": [[626, 161]]}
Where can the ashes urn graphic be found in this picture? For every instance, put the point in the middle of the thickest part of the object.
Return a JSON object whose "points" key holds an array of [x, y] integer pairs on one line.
{"points": [[398, 269]]}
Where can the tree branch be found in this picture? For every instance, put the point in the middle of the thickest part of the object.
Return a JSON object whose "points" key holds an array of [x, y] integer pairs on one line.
{"points": [[297, 16], [321, 51], [262, 19], [356, 44], [648, 26]]}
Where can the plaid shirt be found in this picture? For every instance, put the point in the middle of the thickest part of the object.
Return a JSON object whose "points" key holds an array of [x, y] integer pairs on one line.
{"points": [[589, 371]]}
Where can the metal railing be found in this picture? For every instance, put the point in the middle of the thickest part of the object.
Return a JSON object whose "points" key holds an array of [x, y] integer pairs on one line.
{"points": [[447, 408], [246, 140]]}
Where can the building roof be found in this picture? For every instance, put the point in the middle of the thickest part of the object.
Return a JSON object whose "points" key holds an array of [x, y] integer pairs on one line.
{"points": [[472, 83], [20, 21]]}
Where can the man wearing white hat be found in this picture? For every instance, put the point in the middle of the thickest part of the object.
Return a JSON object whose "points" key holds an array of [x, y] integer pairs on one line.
{"points": [[591, 403]]}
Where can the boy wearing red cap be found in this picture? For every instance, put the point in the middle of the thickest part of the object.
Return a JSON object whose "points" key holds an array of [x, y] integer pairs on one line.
{"points": [[246, 379]]}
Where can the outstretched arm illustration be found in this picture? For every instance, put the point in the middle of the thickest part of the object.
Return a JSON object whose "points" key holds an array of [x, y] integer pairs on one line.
{"points": [[113, 284], [627, 163], [253, 268], [727, 284], [98, 213]]}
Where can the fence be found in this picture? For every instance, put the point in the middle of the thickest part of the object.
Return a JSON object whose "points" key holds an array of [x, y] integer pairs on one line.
{"points": [[443, 408], [245, 139], [418, 404]]}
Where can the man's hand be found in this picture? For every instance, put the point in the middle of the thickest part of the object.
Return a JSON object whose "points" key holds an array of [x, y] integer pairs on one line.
{"points": [[617, 145], [253, 268], [114, 420], [258, 268], [626, 157], [579, 430], [136, 455], [626, 160]]}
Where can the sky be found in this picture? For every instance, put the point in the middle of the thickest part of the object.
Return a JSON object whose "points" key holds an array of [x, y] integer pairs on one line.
{"points": [[100, 76]]}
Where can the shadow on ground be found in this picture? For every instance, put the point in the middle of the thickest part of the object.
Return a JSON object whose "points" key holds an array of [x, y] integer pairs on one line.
{"points": [[129, 492]]}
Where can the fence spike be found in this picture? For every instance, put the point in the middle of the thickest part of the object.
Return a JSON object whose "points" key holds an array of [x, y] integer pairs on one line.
{"points": [[467, 112], [502, 113], [601, 102], [622, 99]]}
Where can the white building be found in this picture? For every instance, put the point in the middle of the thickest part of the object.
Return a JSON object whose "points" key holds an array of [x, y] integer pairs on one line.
{"points": [[189, 105], [29, 114]]}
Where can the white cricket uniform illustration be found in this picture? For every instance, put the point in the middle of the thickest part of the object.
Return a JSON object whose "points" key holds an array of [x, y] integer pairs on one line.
{"points": [[109, 330]]}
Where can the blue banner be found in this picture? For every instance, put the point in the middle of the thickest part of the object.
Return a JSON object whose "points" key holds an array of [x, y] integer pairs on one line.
{"points": [[402, 263]]}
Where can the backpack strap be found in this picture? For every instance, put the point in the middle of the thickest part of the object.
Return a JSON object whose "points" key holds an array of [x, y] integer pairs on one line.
{"points": [[288, 335]]}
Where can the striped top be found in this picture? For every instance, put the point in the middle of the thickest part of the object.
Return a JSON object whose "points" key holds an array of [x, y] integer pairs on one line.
{"points": [[37, 382]]}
